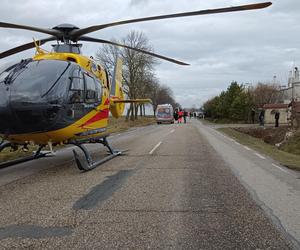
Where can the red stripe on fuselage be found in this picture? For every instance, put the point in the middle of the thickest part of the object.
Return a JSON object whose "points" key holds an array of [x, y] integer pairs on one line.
{"points": [[102, 114], [106, 102]]}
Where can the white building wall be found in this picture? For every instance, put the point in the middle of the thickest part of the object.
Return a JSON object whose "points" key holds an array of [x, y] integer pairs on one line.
{"points": [[270, 116]]}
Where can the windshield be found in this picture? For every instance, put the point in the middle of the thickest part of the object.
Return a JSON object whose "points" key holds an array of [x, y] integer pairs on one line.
{"points": [[36, 80], [163, 112], [7, 70]]}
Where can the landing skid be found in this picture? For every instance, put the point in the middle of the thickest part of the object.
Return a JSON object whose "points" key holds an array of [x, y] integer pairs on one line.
{"points": [[36, 155], [83, 164], [89, 164]]}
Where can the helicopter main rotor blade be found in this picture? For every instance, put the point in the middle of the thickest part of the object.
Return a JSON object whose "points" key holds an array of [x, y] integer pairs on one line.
{"points": [[91, 39], [25, 47], [25, 27], [77, 33]]}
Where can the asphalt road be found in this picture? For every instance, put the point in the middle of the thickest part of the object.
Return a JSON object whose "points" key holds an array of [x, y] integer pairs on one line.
{"points": [[179, 187]]}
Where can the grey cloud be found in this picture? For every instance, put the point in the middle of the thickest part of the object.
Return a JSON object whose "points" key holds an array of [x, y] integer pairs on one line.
{"points": [[138, 2]]}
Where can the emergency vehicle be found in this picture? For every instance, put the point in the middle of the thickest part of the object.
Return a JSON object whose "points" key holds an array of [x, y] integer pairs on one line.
{"points": [[164, 113]]}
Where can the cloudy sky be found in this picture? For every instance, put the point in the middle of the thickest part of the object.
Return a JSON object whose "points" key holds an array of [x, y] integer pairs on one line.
{"points": [[247, 46]]}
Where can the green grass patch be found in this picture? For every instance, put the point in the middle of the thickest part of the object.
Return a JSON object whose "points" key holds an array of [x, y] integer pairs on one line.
{"points": [[287, 159]]}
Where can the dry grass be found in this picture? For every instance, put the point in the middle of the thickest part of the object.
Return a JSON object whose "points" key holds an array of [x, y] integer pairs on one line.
{"points": [[120, 124], [292, 145], [6, 155]]}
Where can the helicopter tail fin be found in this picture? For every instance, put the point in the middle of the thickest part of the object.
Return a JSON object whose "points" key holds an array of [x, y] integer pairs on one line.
{"points": [[117, 101], [117, 86], [116, 92]]}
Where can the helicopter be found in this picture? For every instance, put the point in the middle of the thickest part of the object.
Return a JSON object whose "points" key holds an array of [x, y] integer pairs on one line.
{"points": [[64, 97]]}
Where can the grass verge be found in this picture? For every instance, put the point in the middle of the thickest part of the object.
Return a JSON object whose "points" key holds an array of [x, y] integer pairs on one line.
{"points": [[286, 159], [293, 144], [118, 125], [114, 126]]}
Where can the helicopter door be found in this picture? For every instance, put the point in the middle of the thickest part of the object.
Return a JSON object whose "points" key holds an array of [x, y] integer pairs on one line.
{"points": [[76, 95], [92, 92]]}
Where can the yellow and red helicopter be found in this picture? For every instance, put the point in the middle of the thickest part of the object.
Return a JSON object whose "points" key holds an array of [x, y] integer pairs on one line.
{"points": [[63, 97]]}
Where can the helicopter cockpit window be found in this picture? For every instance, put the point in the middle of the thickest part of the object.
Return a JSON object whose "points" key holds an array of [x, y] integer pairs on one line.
{"points": [[98, 89], [91, 89], [7, 70], [76, 92], [37, 81]]}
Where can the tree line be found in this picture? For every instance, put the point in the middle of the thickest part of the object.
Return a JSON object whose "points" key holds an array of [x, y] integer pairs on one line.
{"points": [[236, 103], [139, 79]]}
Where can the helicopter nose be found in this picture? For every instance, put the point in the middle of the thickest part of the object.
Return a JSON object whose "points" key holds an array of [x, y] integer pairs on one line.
{"points": [[24, 117], [4, 110], [4, 92], [6, 120]]}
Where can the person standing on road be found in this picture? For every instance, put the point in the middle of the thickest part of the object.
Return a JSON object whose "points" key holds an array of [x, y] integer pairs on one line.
{"points": [[252, 115], [185, 114], [176, 115], [180, 115], [261, 117], [277, 115]]}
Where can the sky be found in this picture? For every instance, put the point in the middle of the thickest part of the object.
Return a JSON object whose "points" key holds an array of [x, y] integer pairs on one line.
{"points": [[247, 47]]}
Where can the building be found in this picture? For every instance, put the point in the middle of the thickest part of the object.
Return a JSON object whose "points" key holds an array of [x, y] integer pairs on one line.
{"points": [[291, 96], [272, 108], [292, 92]]}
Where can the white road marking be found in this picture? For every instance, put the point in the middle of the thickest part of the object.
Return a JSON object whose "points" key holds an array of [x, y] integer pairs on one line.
{"points": [[280, 168], [155, 147], [172, 131], [219, 133], [249, 149], [260, 156]]}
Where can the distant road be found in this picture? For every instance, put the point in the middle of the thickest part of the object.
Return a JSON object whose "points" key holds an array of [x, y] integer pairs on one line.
{"points": [[175, 189]]}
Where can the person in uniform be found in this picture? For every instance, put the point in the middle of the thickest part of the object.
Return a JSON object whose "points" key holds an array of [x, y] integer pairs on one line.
{"points": [[277, 115]]}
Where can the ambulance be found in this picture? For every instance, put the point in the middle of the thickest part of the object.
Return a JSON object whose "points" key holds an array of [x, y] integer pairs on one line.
{"points": [[164, 113]]}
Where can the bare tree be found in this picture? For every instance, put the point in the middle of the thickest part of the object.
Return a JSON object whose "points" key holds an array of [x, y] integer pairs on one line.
{"points": [[153, 89], [107, 56], [164, 95], [137, 66], [264, 93]]}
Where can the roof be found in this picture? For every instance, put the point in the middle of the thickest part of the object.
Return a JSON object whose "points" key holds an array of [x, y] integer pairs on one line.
{"points": [[164, 105], [275, 106]]}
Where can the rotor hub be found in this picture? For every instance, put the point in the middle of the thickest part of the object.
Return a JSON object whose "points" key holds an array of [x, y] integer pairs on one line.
{"points": [[65, 30], [65, 27]]}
